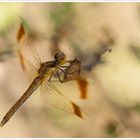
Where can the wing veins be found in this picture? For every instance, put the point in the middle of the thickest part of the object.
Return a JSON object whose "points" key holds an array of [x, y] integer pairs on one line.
{"points": [[64, 103]]}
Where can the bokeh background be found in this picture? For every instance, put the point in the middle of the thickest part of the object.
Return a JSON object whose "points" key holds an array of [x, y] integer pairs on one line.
{"points": [[80, 30]]}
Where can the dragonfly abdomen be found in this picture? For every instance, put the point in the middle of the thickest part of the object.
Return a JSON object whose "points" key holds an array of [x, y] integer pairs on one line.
{"points": [[34, 85]]}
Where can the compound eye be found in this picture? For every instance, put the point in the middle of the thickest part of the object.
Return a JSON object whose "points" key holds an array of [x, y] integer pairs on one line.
{"points": [[56, 56], [59, 55]]}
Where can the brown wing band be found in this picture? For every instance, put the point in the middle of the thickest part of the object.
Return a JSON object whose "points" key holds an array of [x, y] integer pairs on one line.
{"points": [[83, 88], [21, 33], [76, 110]]}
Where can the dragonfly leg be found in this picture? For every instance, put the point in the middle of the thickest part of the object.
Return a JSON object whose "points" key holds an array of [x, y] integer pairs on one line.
{"points": [[69, 61], [59, 77], [60, 69], [64, 66], [51, 76]]}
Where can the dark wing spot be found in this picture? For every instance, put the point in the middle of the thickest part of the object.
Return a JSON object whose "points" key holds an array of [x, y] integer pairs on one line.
{"points": [[83, 87], [21, 33], [77, 110]]}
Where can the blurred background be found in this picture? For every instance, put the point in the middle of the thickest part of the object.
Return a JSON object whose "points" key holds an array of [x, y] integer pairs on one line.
{"points": [[83, 30]]}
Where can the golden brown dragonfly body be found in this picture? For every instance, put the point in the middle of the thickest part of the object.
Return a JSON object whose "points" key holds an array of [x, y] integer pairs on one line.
{"points": [[41, 74], [46, 70]]}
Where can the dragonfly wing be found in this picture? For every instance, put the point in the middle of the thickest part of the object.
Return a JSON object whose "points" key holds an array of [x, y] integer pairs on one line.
{"points": [[28, 54], [56, 99], [28, 67], [26, 47], [26, 51]]}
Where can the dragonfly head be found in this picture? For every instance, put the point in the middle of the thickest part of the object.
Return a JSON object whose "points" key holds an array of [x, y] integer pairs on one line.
{"points": [[60, 58]]}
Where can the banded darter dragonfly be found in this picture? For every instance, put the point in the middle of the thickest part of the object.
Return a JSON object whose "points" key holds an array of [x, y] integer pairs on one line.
{"points": [[42, 75]]}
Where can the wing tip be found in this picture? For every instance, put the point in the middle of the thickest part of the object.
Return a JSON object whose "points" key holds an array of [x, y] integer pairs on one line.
{"points": [[79, 112]]}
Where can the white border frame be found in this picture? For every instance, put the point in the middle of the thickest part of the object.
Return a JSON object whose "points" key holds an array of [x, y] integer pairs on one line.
{"points": [[70, 1]]}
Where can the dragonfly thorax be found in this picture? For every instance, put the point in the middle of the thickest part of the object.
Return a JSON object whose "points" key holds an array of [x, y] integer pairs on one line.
{"points": [[46, 68], [49, 67]]}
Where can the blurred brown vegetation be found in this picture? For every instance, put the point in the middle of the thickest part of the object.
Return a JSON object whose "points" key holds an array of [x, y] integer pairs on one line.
{"points": [[82, 30]]}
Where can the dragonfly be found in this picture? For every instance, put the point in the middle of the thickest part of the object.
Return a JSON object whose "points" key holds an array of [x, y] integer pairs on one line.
{"points": [[42, 76]]}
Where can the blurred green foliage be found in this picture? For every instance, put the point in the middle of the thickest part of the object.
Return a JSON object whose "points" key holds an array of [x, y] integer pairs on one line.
{"points": [[8, 15], [25, 24], [137, 108], [136, 51], [111, 129], [61, 14]]}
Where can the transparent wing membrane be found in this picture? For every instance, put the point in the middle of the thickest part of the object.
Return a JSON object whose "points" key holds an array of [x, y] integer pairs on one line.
{"points": [[28, 68], [33, 51], [56, 99], [28, 55], [25, 44]]}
